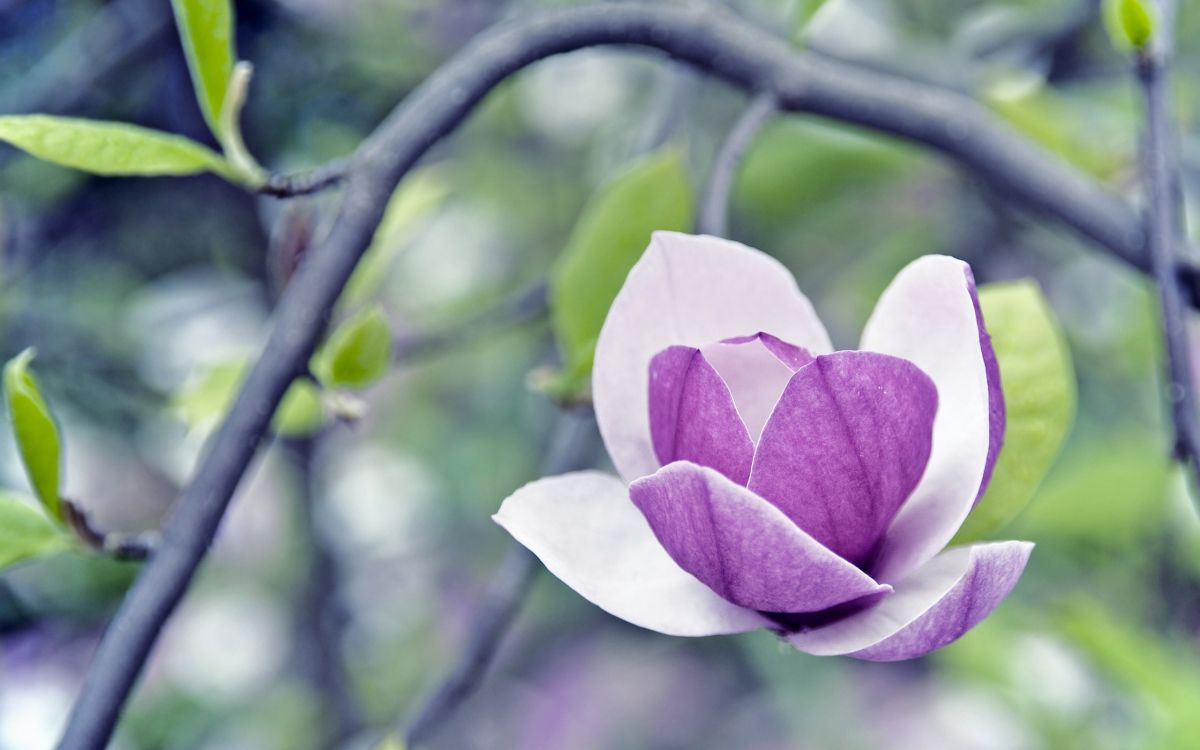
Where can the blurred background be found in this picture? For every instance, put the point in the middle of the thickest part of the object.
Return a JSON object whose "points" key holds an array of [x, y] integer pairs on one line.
{"points": [[345, 579]]}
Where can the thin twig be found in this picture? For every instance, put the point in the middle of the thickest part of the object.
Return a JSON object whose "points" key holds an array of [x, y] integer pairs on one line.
{"points": [[306, 183], [1163, 232], [117, 545], [714, 206], [319, 611], [747, 57], [572, 446]]}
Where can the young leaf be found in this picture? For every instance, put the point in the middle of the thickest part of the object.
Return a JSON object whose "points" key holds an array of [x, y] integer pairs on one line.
{"points": [[1039, 395], [34, 428], [610, 236], [358, 352], [300, 412], [1130, 23], [207, 397], [804, 13], [206, 30], [26, 532], [109, 148]]}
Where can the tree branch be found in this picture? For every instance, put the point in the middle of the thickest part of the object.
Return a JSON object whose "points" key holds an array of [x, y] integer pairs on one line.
{"points": [[572, 447], [319, 614], [716, 42], [714, 205], [1163, 232]]}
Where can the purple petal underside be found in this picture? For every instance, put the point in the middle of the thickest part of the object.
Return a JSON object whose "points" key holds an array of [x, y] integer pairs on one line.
{"points": [[845, 447], [693, 417], [934, 606], [741, 546]]}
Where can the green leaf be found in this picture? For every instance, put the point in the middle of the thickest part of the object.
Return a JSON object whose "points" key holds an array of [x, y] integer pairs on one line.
{"points": [[300, 412], [26, 532], [206, 30], [805, 11], [1110, 492], [109, 148], [358, 353], [34, 428], [610, 236], [1130, 23], [1039, 395], [207, 397]]}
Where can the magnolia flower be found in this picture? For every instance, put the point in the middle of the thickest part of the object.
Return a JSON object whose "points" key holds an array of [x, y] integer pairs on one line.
{"points": [[768, 481]]}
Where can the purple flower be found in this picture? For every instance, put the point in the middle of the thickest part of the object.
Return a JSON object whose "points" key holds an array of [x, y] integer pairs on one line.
{"points": [[768, 481]]}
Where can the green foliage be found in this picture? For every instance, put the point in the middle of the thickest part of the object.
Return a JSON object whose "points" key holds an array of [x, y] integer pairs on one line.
{"points": [[1039, 394], [35, 431], [206, 398], [804, 13], [1130, 23], [610, 236], [206, 30], [109, 148], [1109, 493], [300, 412], [359, 351], [1162, 676], [1051, 119], [26, 532]]}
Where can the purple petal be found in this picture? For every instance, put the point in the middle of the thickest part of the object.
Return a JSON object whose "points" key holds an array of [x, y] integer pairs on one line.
{"points": [[692, 416], [927, 316], [996, 413], [585, 531], [741, 546], [756, 369], [941, 601], [689, 291], [845, 446]]}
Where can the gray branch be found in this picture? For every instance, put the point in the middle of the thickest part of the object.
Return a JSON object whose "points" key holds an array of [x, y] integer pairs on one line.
{"points": [[573, 446], [1163, 234], [713, 217], [718, 43]]}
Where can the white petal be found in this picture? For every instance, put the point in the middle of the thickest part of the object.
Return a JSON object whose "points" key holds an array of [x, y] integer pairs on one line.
{"points": [[586, 531], [690, 291], [927, 316]]}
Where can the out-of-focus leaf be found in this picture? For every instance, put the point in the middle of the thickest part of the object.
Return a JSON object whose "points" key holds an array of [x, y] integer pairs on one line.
{"points": [[1129, 23], [414, 201], [358, 352], [209, 394], [109, 148], [1112, 494], [1162, 677], [300, 412], [34, 428], [206, 30], [392, 743], [1039, 395], [805, 10], [206, 398], [608, 239], [26, 532], [797, 168], [1044, 116]]}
